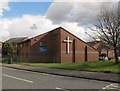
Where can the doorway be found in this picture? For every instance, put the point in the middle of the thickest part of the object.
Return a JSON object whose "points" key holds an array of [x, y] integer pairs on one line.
{"points": [[86, 56]]}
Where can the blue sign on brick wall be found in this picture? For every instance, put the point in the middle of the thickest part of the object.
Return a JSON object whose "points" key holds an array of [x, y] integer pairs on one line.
{"points": [[43, 49]]}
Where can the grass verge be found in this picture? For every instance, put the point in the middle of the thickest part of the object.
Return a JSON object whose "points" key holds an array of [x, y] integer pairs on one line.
{"points": [[99, 66]]}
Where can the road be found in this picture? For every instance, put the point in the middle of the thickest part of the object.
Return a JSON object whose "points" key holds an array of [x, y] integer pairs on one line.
{"points": [[19, 79]]}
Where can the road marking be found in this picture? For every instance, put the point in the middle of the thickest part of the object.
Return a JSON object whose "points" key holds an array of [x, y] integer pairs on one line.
{"points": [[58, 88], [112, 86], [62, 89], [18, 78], [36, 72], [27, 71], [9, 68]]}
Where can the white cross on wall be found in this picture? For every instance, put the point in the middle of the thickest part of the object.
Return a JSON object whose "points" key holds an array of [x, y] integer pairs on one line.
{"points": [[68, 44]]}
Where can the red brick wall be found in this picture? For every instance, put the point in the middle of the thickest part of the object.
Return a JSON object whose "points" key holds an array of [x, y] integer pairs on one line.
{"points": [[110, 53], [52, 43], [56, 48], [24, 51], [93, 55]]}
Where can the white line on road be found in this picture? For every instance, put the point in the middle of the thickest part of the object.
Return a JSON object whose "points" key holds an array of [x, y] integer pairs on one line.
{"points": [[18, 78], [58, 88], [28, 71], [61, 89], [112, 86]]}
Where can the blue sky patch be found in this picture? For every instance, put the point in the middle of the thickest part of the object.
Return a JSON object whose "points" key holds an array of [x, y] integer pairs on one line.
{"points": [[17, 9]]}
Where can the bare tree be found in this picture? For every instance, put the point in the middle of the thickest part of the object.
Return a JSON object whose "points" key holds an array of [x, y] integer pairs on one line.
{"points": [[108, 29]]}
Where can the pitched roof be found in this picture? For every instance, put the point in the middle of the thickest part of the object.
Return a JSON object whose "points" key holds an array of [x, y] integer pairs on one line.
{"points": [[92, 43], [98, 45], [17, 39], [63, 30], [77, 38]]}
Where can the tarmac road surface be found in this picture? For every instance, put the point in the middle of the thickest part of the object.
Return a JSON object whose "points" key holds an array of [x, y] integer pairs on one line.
{"points": [[19, 79]]}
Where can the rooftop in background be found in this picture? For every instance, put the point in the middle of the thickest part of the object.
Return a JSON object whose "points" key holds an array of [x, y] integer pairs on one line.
{"points": [[17, 39], [92, 43], [98, 45]]}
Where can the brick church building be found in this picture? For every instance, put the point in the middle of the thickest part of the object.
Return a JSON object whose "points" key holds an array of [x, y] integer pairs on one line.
{"points": [[56, 46]]}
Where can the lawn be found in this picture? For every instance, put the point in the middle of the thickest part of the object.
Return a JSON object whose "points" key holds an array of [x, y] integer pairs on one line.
{"points": [[100, 66]]}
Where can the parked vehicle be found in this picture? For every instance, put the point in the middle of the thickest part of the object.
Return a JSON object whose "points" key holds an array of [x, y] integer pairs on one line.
{"points": [[119, 58], [103, 57]]}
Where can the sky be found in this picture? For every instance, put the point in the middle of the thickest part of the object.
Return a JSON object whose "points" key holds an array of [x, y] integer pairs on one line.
{"points": [[20, 18], [17, 9]]}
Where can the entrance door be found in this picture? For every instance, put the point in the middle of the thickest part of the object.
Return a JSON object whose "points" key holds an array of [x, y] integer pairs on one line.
{"points": [[73, 53], [86, 59]]}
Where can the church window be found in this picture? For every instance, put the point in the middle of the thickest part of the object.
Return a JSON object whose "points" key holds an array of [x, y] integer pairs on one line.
{"points": [[55, 44], [22, 55], [21, 45], [26, 55], [41, 43], [36, 39], [27, 44]]}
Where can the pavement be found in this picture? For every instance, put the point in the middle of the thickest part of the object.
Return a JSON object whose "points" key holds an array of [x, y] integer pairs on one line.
{"points": [[110, 77]]}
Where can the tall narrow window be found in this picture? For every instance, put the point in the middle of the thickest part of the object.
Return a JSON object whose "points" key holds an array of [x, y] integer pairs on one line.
{"points": [[26, 55], [86, 54], [41, 43], [22, 55]]}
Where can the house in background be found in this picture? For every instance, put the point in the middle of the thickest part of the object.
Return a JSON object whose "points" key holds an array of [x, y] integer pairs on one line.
{"points": [[15, 42], [57, 46], [101, 48]]}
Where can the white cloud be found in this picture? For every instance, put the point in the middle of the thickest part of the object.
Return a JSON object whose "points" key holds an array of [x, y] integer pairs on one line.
{"points": [[3, 29], [86, 0], [74, 28], [71, 16], [19, 27], [22, 26], [59, 12], [4, 5], [64, 0], [84, 12]]}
